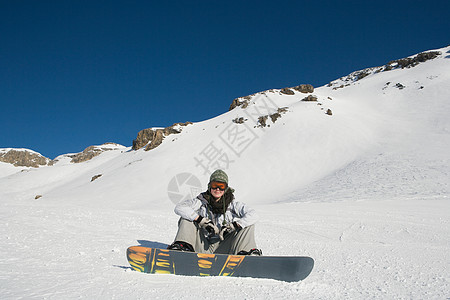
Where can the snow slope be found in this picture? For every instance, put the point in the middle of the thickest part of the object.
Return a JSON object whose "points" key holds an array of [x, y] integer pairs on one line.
{"points": [[363, 191]]}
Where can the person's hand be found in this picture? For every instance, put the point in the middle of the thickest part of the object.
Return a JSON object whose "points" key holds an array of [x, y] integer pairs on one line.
{"points": [[207, 225], [229, 228]]}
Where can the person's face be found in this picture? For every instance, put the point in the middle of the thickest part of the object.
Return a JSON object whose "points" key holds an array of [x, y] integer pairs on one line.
{"points": [[218, 189]]}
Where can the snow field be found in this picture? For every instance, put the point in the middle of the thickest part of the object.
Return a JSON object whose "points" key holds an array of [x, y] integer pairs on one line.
{"points": [[362, 250], [365, 192]]}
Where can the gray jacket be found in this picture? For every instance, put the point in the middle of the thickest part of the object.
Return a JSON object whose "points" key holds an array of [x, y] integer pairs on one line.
{"points": [[236, 212]]}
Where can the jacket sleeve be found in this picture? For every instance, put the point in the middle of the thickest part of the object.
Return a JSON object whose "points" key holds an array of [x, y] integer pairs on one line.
{"points": [[188, 209], [244, 215]]}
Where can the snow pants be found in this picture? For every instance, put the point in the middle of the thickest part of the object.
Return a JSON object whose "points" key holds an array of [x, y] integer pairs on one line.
{"points": [[236, 241]]}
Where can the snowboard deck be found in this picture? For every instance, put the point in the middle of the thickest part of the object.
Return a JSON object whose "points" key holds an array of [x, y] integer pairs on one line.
{"points": [[162, 261]]}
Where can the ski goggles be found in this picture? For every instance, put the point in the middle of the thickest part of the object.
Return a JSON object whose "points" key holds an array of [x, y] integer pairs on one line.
{"points": [[218, 185]]}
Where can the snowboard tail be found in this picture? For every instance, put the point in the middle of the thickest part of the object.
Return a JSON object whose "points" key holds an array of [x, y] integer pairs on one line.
{"points": [[162, 261]]}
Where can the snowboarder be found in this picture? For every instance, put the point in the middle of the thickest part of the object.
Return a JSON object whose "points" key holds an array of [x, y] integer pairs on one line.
{"points": [[214, 222]]}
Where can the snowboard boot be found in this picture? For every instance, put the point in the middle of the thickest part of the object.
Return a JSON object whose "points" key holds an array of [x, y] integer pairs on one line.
{"points": [[181, 246], [254, 251]]}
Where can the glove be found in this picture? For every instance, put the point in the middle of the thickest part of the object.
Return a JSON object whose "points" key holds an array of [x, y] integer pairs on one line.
{"points": [[207, 225], [229, 228]]}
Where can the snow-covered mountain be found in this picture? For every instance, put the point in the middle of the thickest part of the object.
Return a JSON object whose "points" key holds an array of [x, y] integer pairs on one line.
{"points": [[354, 174]]}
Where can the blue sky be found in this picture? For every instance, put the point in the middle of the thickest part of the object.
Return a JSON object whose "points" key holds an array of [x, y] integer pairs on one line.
{"points": [[81, 73]]}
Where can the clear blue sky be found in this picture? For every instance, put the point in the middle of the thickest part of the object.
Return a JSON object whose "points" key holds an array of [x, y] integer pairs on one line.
{"points": [[81, 73]]}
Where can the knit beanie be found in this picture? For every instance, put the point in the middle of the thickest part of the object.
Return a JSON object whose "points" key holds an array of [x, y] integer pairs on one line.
{"points": [[220, 176]]}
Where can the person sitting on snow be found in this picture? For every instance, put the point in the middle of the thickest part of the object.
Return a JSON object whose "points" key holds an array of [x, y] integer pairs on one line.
{"points": [[214, 222]]}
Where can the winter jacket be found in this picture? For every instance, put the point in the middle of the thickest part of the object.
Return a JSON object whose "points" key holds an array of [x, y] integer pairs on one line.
{"points": [[236, 212]]}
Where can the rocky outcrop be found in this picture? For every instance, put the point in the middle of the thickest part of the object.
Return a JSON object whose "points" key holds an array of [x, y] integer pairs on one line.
{"points": [[151, 138], [96, 177], [29, 158], [304, 88], [408, 62], [23, 158], [243, 102], [262, 120], [310, 98], [93, 151], [287, 91], [239, 120]]}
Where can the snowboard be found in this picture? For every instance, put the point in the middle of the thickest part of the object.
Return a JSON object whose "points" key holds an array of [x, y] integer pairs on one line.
{"points": [[162, 261]]}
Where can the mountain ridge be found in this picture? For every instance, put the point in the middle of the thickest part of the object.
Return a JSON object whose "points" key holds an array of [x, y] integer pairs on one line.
{"points": [[274, 135], [151, 138]]}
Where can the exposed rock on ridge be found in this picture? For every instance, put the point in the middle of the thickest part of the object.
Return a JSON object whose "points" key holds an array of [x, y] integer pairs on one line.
{"points": [[408, 62], [28, 158], [152, 138], [23, 158], [243, 102], [93, 151]]}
